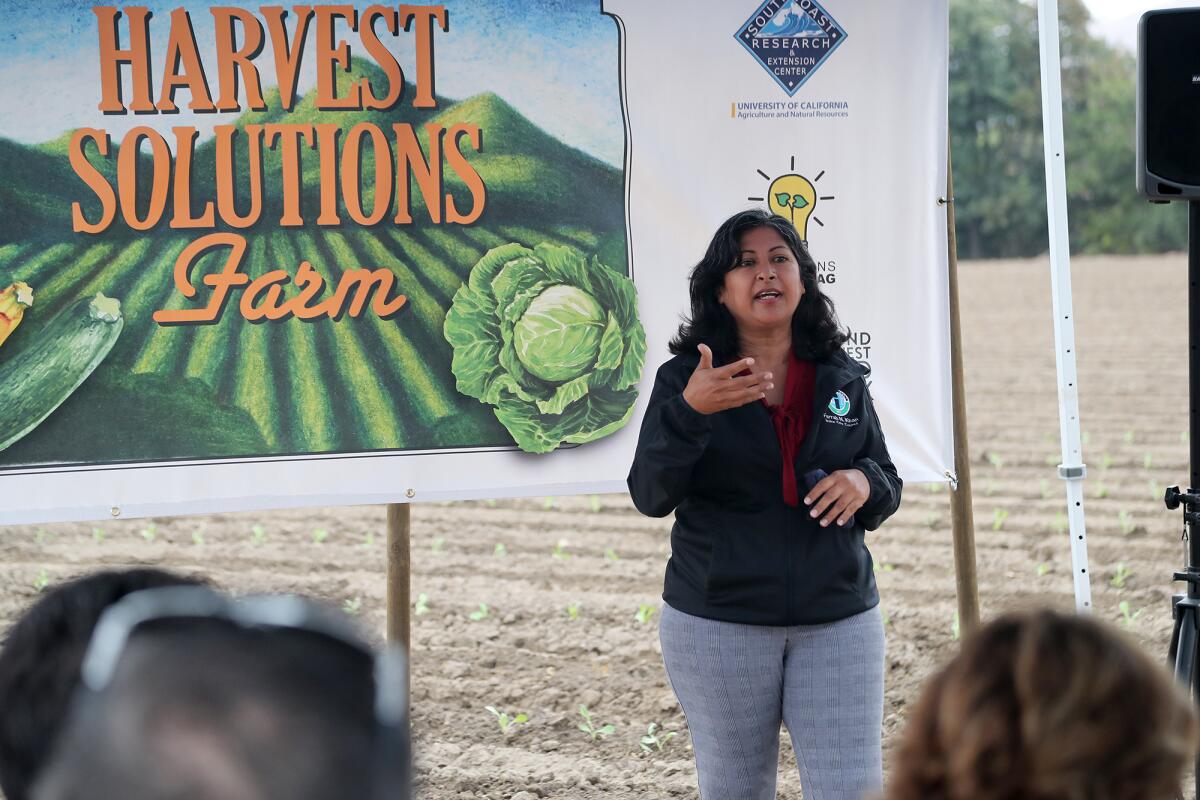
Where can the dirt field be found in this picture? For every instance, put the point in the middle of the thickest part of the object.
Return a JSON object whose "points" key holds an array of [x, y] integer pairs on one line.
{"points": [[527, 655]]}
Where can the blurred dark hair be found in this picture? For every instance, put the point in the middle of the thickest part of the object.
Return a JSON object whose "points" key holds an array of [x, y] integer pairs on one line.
{"points": [[1046, 706], [39, 666], [815, 329], [204, 710]]}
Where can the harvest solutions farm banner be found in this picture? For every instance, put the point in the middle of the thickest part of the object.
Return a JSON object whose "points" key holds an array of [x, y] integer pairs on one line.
{"points": [[256, 256]]}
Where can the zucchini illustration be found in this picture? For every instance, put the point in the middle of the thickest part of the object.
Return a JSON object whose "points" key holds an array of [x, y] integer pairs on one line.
{"points": [[41, 376], [13, 302]]}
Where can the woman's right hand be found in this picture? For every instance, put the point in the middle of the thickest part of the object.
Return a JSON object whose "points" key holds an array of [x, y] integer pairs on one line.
{"points": [[712, 389]]}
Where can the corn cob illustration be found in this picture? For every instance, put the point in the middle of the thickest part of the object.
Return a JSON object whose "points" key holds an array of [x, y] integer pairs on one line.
{"points": [[13, 302]]}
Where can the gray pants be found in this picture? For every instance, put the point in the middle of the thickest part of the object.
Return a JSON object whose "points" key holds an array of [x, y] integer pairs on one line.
{"points": [[736, 683]]}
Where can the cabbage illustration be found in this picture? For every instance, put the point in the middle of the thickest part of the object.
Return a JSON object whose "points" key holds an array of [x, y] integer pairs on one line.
{"points": [[551, 340]]}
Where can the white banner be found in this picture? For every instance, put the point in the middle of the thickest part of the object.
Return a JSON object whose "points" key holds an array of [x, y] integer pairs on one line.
{"points": [[864, 130], [603, 144]]}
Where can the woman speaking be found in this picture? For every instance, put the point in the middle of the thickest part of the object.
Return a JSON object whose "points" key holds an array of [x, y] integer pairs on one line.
{"points": [[760, 435]]}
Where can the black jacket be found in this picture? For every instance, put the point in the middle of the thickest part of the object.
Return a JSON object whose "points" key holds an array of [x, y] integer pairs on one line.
{"points": [[738, 552]]}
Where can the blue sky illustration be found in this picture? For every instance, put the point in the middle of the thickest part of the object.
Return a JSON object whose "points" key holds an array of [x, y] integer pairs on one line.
{"points": [[554, 60]]}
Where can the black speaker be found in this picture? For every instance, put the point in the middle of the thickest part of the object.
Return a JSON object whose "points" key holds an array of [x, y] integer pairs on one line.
{"points": [[1168, 105]]}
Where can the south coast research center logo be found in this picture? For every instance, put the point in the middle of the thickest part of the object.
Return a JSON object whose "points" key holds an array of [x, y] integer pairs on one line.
{"points": [[791, 38]]}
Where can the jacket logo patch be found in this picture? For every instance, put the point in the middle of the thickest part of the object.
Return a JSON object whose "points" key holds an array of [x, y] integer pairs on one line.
{"points": [[840, 404], [840, 408]]}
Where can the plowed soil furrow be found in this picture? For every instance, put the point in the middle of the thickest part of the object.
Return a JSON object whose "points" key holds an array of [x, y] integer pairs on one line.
{"points": [[527, 654]]}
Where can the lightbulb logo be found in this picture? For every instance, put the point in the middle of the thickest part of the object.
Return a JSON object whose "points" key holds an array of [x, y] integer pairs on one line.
{"points": [[794, 197]]}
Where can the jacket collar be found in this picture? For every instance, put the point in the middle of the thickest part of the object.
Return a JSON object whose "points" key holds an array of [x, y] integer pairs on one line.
{"points": [[834, 372]]}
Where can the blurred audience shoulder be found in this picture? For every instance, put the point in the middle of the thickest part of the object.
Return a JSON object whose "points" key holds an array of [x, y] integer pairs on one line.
{"points": [[1041, 705], [40, 661]]}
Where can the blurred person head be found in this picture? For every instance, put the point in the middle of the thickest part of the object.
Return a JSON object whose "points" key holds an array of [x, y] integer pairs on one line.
{"points": [[194, 696], [1046, 706], [39, 665]]}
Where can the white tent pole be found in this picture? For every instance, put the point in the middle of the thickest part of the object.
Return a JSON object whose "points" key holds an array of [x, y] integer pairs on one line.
{"points": [[1071, 469]]}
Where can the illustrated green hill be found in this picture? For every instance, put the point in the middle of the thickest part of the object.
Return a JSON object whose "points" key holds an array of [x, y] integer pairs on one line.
{"points": [[36, 190], [305, 386]]}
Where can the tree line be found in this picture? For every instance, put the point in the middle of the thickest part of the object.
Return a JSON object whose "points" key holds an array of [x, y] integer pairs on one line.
{"points": [[996, 137]]}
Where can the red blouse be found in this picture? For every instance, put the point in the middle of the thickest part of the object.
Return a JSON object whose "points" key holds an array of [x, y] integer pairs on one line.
{"points": [[792, 418]]}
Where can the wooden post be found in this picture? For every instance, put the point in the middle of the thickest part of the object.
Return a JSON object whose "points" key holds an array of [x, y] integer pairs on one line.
{"points": [[399, 582], [961, 515]]}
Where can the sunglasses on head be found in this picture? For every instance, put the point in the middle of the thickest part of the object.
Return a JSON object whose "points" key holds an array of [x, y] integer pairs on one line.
{"points": [[391, 758]]}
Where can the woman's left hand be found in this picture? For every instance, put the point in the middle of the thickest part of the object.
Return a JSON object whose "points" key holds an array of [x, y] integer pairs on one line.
{"points": [[837, 496]]}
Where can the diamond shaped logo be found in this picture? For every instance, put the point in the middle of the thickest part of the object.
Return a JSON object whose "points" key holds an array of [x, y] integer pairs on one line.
{"points": [[791, 38]]}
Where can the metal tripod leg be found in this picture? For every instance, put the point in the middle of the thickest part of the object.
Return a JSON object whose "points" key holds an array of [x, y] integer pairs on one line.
{"points": [[1184, 654], [1184, 647]]}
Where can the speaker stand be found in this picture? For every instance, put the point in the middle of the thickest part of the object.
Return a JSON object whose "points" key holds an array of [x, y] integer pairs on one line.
{"points": [[1184, 655]]}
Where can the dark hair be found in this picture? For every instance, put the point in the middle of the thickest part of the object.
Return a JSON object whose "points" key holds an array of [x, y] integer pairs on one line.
{"points": [[204, 710], [1046, 706], [815, 329], [39, 666]]}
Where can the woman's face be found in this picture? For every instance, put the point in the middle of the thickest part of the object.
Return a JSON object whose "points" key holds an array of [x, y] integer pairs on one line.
{"points": [[764, 288]]}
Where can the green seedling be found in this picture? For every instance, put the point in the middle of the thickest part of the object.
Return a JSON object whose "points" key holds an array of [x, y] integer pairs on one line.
{"points": [[437, 544], [422, 605], [1051, 460], [655, 739], [505, 721], [1121, 574], [1041, 569], [998, 517], [995, 460], [258, 535], [41, 536], [490, 502], [611, 555], [1156, 491], [644, 613], [150, 532], [320, 535], [368, 539], [989, 488], [549, 503], [42, 580], [931, 520], [1101, 491], [933, 488], [499, 549], [353, 605], [1127, 618], [560, 550], [1085, 438], [1060, 523], [1125, 520], [594, 503], [884, 566], [954, 629], [98, 534], [1044, 488], [588, 725], [479, 613], [1147, 461], [573, 611], [1128, 437], [197, 538], [1183, 436], [1106, 461], [887, 618]]}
